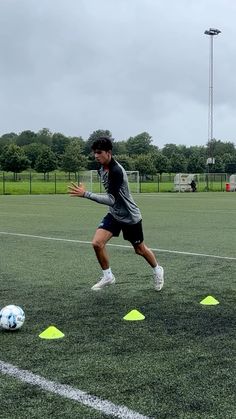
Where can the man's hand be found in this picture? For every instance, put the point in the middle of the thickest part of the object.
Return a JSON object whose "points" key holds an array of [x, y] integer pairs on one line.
{"points": [[76, 190]]}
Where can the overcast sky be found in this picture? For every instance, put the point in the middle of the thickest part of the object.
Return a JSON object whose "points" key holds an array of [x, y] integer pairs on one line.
{"points": [[75, 66]]}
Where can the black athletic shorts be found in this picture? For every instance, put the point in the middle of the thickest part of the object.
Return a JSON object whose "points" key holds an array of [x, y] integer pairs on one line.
{"points": [[131, 232]]}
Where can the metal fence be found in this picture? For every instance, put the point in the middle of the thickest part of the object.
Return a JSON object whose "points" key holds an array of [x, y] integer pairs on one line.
{"points": [[57, 182], [35, 183]]}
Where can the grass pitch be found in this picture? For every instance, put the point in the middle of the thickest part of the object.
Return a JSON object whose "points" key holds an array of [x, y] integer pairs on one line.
{"points": [[177, 363]]}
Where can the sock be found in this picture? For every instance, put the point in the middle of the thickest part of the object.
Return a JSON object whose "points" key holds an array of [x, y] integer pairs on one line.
{"points": [[155, 270], [107, 273]]}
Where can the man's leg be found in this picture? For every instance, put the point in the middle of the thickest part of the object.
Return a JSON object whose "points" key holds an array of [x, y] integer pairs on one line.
{"points": [[100, 239], [144, 251]]}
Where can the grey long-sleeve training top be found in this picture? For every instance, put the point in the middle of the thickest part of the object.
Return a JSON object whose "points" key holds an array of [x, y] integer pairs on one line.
{"points": [[118, 196]]}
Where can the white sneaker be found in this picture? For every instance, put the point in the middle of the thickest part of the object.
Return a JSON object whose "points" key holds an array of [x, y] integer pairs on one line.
{"points": [[103, 283], [159, 278]]}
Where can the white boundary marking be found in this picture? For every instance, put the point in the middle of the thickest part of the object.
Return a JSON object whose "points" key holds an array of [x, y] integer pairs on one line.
{"points": [[69, 392], [118, 245]]}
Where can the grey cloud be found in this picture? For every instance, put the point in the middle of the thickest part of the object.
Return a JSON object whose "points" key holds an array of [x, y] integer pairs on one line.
{"points": [[128, 66]]}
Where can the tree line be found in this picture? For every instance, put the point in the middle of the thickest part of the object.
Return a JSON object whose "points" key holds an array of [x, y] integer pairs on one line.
{"points": [[44, 152]]}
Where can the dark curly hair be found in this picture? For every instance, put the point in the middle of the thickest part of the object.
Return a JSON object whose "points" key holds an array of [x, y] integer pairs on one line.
{"points": [[102, 143]]}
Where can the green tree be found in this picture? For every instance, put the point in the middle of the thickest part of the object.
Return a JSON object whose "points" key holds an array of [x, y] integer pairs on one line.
{"points": [[178, 163], [145, 165], [72, 160], [218, 148], [119, 147], [80, 141], [46, 161], [140, 144], [199, 151], [26, 137], [183, 150], [228, 158], [126, 161], [44, 136], [161, 163], [59, 143], [219, 166], [196, 164], [13, 159], [33, 151], [6, 139], [170, 149], [230, 168]]}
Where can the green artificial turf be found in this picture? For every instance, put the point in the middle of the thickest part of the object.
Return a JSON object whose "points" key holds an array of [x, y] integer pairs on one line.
{"points": [[177, 363]]}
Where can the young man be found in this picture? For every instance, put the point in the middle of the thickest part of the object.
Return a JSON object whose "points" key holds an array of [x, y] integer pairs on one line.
{"points": [[123, 215]]}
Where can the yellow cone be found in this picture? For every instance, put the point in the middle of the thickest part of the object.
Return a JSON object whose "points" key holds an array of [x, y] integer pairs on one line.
{"points": [[209, 301], [51, 333], [134, 315]]}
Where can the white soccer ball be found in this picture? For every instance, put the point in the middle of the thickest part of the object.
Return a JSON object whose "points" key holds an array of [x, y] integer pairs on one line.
{"points": [[12, 317]]}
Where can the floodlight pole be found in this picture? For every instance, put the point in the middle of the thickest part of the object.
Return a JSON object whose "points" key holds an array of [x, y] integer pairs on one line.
{"points": [[211, 32]]}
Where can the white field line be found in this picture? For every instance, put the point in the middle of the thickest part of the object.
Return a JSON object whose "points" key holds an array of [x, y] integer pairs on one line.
{"points": [[117, 245], [69, 392]]}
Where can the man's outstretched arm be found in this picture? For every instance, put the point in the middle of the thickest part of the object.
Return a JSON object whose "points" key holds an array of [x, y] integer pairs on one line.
{"points": [[78, 190]]}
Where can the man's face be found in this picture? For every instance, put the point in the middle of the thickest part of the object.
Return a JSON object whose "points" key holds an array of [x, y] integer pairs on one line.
{"points": [[102, 157]]}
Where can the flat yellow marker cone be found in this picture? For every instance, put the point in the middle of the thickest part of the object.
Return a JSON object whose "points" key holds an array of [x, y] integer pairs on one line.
{"points": [[134, 315], [51, 333], [209, 301]]}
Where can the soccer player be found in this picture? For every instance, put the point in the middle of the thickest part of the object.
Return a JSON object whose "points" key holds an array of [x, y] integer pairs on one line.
{"points": [[124, 215]]}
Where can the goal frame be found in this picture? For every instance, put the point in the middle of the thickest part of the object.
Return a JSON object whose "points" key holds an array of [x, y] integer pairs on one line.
{"points": [[134, 189]]}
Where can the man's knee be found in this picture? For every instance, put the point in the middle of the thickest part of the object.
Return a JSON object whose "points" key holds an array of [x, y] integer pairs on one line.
{"points": [[97, 244], [139, 249]]}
